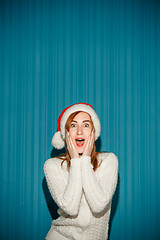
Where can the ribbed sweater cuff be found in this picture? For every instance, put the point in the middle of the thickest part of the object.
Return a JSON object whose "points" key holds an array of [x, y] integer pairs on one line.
{"points": [[75, 162], [86, 160]]}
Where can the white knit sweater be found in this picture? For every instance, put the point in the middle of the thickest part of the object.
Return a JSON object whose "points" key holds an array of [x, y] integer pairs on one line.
{"points": [[83, 196]]}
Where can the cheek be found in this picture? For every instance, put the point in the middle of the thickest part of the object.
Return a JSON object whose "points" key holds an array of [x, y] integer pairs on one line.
{"points": [[88, 133], [87, 136], [72, 135]]}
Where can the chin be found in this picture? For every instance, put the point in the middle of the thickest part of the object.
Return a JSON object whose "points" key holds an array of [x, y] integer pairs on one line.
{"points": [[80, 152]]}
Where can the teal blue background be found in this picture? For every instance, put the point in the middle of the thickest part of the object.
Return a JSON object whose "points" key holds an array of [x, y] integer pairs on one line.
{"points": [[54, 54]]}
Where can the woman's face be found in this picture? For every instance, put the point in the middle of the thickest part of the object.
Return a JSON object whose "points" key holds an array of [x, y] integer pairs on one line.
{"points": [[80, 131]]}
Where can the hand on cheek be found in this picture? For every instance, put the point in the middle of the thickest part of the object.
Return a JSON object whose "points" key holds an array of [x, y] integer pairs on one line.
{"points": [[89, 146], [70, 146]]}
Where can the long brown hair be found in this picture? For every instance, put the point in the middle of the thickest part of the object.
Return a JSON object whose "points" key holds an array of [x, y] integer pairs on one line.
{"points": [[66, 156]]}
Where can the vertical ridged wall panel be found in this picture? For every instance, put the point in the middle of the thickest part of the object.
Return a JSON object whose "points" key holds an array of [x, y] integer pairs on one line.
{"points": [[54, 54]]}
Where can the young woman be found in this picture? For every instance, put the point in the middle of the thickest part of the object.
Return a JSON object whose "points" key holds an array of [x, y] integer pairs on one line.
{"points": [[81, 181]]}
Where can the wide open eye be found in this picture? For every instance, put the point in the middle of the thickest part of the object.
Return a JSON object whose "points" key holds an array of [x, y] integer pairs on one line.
{"points": [[86, 125], [73, 125]]}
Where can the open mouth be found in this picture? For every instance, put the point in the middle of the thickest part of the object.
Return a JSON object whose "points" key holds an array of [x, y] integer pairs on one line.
{"points": [[80, 142]]}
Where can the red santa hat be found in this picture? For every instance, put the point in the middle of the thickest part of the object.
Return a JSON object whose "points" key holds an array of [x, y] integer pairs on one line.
{"points": [[58, 140]]}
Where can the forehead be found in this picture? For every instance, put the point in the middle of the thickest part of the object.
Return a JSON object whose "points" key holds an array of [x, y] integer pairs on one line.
{"points": [[82, 116]]}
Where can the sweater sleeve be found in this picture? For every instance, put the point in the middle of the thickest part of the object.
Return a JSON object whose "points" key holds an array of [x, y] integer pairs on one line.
{"points": [[65, 189], [99, 191]]}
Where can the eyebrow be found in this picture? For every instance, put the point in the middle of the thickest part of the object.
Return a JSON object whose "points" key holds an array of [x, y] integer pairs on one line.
{"points": [[83, 121]]}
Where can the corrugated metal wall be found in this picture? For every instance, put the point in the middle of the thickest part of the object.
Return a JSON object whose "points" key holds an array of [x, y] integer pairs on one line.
{"points": [[54, 54]]}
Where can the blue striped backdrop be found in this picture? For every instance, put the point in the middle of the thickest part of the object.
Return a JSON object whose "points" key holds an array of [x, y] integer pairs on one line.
{"points": [[54, 54]]}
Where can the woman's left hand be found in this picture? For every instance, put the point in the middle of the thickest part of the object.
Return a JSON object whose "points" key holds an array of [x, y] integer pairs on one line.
{"points": [[89, 147]]}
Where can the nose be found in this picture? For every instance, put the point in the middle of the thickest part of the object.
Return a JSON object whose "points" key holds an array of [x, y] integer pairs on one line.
{"points": [[79, 130]]}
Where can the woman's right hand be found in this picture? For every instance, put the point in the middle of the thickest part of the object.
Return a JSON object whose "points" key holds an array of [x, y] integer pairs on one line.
{"points": [[70, 146]]}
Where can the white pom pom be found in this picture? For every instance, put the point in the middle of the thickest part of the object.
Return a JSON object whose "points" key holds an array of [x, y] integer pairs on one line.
{"points": [[57, 141]]}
